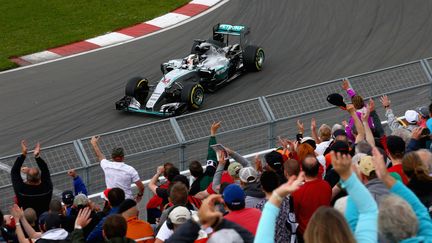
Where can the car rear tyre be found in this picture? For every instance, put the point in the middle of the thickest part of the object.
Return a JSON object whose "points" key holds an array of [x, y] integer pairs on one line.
{"points": [[253, 58], [138, 88], [193, 95]]}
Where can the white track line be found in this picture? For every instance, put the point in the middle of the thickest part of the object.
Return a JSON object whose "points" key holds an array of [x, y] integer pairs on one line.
{"points": [[211, 9]]}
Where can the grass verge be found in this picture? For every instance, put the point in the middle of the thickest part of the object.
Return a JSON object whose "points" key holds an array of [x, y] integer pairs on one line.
{"points": [[29, 26]]}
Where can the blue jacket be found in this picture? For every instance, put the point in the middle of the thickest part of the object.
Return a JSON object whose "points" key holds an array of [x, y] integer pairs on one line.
{"points": [[79, 186], [424, 233], [96, 234]]}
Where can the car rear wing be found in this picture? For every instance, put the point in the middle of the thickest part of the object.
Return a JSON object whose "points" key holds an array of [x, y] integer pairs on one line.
{"points": [[220, 31]]}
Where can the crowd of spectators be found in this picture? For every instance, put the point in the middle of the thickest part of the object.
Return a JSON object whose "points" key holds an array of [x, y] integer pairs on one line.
{"points": [[350, 182]]}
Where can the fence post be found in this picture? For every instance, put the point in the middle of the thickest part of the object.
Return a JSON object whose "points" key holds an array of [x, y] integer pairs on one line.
{"points": [[181, 139], [270, 118], [85, 161], [424, 63]]}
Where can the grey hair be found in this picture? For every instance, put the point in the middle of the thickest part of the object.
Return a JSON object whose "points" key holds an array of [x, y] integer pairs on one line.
{"points": [[426, 157], [363, 147], [403, 133], [396, 220], [337, 127]]}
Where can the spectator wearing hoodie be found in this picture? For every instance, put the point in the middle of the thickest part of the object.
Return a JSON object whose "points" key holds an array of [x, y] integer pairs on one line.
{"points": [[51, 229], [252, 188], [411, 117], [115, 197], [114, 228]]}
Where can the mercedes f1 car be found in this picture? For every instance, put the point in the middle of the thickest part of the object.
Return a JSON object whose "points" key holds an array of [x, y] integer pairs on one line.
{"points": [[211, 64]]}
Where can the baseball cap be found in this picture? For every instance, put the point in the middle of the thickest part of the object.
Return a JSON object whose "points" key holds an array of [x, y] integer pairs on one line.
{"points": [[309, 140], [126, 205], [339, 132], [233, 195], [179, 215], [104, 194], [117, 152], [411, 116], [68, 197], [366, 166], [234, 169], [336, 100], [357, 157], [80, 200], [423, 111], [274, 159], [341, 147], [248, 174]]}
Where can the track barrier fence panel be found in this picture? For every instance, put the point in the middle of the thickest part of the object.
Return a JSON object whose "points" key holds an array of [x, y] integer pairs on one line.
{"points": [[247, 127]]}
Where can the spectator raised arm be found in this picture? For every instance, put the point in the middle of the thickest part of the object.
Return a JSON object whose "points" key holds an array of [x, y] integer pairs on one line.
{"points": [[357, 123], [79, 185], [153, 182], [365, 118], [95, 144]]}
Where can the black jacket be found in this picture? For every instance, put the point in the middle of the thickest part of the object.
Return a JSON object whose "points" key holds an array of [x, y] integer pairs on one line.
{"points": [[37, 197], [423, 190], [188, 232]]}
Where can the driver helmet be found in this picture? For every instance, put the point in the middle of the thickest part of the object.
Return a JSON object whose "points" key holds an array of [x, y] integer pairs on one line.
{"points": [[192, 60], [204, 47]]}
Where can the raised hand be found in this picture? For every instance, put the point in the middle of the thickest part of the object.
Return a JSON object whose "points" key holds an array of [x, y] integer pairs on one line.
{"points": [[381, 169], [300, 127], [371, 105], [350, 108], [214, 127], [160, 170], [345, 84], [341, 164], [83, 218], [94, 139], [222, 159], [208, 214], [385, 101], [293, 183], [17, 212], [313, 124], [37, 149], [258, 163], [365, 116], [24, 147]]}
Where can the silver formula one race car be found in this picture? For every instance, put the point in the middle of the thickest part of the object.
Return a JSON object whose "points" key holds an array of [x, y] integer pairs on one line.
{"points": [[211, 64]]}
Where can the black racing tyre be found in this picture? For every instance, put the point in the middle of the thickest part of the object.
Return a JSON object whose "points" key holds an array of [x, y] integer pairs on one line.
{"points": [[253, 58], [193, 95], [138, 88]]}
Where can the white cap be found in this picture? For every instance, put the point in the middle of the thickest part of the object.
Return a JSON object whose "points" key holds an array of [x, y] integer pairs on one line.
{"points": [[411, 116], [179, 215]]}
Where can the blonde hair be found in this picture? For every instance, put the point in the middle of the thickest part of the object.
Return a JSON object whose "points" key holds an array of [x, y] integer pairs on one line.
{"points": [[327, 225], [357, 101]]}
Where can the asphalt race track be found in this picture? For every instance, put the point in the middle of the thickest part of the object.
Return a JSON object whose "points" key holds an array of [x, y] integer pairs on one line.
{"points": [[306, 42]]}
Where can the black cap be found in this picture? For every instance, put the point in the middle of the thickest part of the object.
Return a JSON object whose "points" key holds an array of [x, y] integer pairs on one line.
{"points": [[68, 197], [336, 99], [341, 147], [339, 132]]}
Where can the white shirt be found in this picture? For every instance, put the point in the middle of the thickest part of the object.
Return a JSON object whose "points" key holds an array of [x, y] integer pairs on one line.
{"points": [[119, 174], [321, 147]]}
